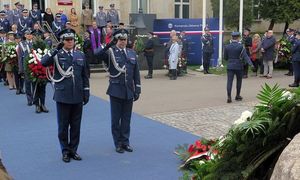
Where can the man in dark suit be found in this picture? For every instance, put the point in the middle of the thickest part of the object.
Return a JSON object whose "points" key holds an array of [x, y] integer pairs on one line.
{"points": [[268, 49], [247, 40], [149, 54], [235, 54], [71, 92], [124, 86]]}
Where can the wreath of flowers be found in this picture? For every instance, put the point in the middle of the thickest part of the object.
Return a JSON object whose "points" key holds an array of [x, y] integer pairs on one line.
{"points": [[10, 54], [78, 42], [284, 50], [34, 68]]}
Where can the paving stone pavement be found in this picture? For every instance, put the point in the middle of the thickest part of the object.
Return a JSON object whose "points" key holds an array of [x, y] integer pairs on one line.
{"points": [[211, 122]]}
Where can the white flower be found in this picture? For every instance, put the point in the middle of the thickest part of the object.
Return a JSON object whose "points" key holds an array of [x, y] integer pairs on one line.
{"points": [[31, 55], [11, 56], [31, 61], [35, 62], [244, 117], [39, 51], [287, 94], [201, 162], [45, 51]]}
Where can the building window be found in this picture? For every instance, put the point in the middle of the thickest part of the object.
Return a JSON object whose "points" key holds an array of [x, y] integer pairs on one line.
{"points": [[255, 9], [135, 4], [182, 9]]}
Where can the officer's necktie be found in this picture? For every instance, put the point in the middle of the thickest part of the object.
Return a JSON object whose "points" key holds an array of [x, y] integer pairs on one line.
{"points": [[124, 54], [70, 54]]}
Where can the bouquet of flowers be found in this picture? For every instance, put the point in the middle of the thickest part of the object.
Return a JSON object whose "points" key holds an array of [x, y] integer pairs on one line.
{"points": [[139, 45], [78, 42], [34, 69], [284, 50], [10, 54]]}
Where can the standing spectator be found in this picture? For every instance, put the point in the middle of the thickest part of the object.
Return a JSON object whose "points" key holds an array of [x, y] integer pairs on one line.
{"points": [[101, 18], [184, 51], [296, 60], [291, 38], [108, 35], [36, 14], [48, 17], [4, 23], [233, 53], [113, 15], [174, 52], [87, 17], [88, 51], [74, 21], [105, 30], [247, 40], [267, 49], [9, 14], [256, 53], [95, 36], [149, 54], [64, 18], [208, 49]]}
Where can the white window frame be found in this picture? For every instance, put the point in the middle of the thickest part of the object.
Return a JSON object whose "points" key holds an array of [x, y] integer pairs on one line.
{"points": [[181, 3]]}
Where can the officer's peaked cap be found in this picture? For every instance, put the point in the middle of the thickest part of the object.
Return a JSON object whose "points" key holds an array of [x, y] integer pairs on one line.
{"points": [[25, 11], [121, 34], [67, 34], [112, 5], [235, 34], [2, 12], [58, 15]]}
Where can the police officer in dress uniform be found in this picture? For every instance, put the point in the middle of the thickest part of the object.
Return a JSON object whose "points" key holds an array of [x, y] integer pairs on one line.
{"points": [[25, 22], [9, 14], [4, 23], [296, 60], [57, 25], [113, 15], [36, 14], [124, 86], [291, 38], [235, 54], [17, 13], [47, 39], [208, 49], [101, 18], [71, 86], [247, 44], [26, 47]]}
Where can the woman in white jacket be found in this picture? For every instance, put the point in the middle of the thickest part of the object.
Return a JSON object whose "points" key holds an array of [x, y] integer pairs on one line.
{"points": [[174, 53]]}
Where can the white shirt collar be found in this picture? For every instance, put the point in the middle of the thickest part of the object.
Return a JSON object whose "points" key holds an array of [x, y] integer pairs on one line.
{"points": [[66, 51]]}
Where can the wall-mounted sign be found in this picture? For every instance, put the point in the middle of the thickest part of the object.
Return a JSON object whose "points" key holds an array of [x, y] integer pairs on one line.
{"points": [[65, 2]]}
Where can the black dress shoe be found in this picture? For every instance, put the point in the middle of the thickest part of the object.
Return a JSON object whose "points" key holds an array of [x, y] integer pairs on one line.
{"points": [[38, 109], [229, 100], [119, 149], [22, 92], [44, 109], [127, 148], [238, 98], [148, 77], [29, 104], [294, 85], [66, 158], [18, 92], [75, 156]]}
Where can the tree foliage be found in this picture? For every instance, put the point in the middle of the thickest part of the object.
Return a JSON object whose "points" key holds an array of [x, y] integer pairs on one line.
{"points": [[231, 12]]}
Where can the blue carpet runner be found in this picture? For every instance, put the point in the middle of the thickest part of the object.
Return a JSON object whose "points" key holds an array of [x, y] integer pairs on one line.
{"points": [[30, 149]]}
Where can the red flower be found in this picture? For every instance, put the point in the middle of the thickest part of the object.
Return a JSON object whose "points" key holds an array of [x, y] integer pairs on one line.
{"points": [[191, 148]]}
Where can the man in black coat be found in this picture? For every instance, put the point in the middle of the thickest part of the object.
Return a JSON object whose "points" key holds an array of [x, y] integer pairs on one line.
{"points": [[296, 60], [247, 40], [149, 54], [71, 92], [208, 49]]}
